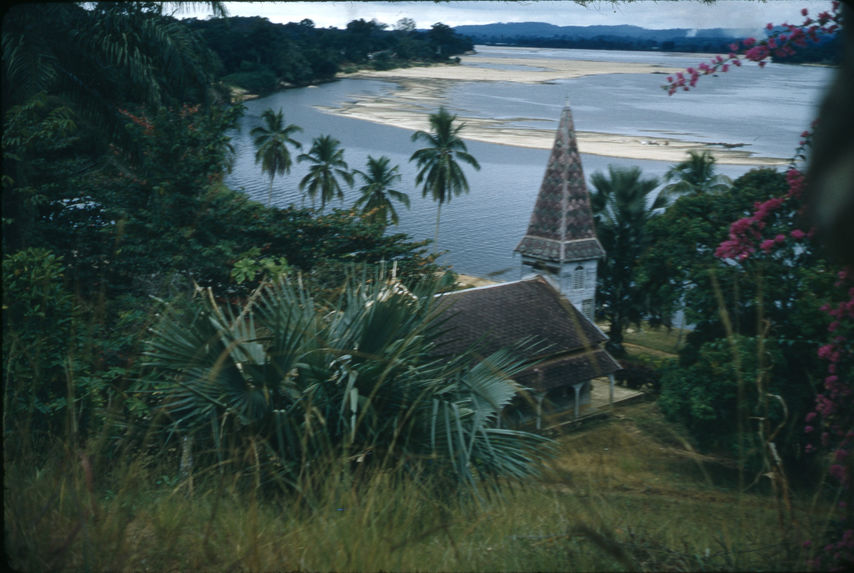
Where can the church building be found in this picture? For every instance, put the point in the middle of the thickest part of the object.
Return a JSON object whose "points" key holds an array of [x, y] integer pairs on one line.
{"points": [[561, 241], [554, 300]]}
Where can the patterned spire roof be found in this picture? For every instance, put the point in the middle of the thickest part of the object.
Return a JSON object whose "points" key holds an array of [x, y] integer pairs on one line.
{"points": [[561, 227]]}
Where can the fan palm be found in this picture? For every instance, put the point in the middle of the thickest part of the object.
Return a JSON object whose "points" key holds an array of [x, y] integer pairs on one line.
{"points": [[377, 195], [696, 174], [621, 208], [312, 384], [272, 145], [327, 159], [438, 163]]}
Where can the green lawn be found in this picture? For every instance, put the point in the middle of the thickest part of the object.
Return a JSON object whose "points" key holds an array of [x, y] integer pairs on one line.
{"points": [[656, 341]]}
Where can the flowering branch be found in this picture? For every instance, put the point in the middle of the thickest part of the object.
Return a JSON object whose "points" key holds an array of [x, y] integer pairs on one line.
{"points": [[781, 42], [830, 426], [745, 235]]}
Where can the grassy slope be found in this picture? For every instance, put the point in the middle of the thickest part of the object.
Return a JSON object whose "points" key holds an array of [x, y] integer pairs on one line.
{"points": [[623, 493]]}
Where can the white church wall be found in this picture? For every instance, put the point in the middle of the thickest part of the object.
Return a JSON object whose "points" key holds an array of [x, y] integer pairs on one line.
{"points": [[577, 282]]}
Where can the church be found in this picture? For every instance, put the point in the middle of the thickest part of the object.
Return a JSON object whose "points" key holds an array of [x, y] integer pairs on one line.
{"points": [[554, 299]]}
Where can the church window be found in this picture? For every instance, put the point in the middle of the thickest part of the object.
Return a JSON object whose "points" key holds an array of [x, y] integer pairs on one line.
{"points": [[578, 278]]}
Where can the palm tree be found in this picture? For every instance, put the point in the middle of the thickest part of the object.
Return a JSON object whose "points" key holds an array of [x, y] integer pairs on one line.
{"points": [[622, 208], [299, 384], [328, 165], [696, 174], [271, 145], [438, 165], [376, 200]]}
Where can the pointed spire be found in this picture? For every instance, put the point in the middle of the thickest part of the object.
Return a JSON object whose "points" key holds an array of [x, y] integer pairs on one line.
{"points": [[561, 226]]}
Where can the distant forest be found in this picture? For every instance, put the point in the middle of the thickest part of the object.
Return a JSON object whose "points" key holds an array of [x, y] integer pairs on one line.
{"points": [[260, 56], [716, 40]]}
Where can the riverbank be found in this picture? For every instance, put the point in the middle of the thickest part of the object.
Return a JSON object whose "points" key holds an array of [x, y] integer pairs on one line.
{"points": [[426, 86]]}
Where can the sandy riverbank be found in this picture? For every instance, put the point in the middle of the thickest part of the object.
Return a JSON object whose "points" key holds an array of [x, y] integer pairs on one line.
{"points": [[422, 87]]}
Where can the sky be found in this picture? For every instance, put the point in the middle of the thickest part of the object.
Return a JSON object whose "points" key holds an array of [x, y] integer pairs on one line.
{"points": [[741, 14]]}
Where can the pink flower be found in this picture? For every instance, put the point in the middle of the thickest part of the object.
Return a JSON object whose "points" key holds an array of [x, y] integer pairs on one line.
{"points": [[825, 351], [797, 234]]}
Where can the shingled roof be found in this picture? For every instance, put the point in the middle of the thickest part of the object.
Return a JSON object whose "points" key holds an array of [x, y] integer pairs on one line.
{"points": [[561, 226], [496, 317]]}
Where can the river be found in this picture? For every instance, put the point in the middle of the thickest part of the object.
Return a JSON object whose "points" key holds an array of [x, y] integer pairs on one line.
{"points": [[763, 111]]}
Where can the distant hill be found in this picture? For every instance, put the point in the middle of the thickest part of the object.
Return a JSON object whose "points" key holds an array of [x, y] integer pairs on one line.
{"points": [[622, 37], [625, 37], [544, 30]]}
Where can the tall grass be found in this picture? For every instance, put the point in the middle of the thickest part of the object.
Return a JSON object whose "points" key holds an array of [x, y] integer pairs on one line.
{"points": [[623, 494]]}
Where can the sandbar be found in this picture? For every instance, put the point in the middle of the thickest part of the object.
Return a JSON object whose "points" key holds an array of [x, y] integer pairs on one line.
{"points": [[422, 88], [525, 70]]}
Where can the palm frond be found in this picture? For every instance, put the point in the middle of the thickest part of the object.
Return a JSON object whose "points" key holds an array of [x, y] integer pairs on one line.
{"points": [[360, 375]]}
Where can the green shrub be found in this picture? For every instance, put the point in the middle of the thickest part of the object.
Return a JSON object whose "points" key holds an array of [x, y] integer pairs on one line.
{"points": [[640, 372], [37, 328], [721, 397]]}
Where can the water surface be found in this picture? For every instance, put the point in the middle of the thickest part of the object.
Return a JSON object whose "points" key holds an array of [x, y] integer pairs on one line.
{"points": [[763, 109]]}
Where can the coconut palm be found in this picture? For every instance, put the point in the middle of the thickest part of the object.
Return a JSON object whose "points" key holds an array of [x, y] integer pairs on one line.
{"points": [[300, 385], [327, 165], [696, 174], [622, 207], [272, 141], [377, 195], [438, 167]]}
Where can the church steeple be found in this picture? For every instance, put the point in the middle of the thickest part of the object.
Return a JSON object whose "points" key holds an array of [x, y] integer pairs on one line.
{"points": [[561, 239]]}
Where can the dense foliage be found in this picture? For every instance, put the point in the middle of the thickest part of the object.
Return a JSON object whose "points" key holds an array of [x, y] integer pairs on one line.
{"points": [[112, 196], [771, 306], [260, 56]]}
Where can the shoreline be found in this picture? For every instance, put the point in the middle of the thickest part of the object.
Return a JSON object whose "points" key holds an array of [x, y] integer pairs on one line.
{"points": [[423, 87], [627, 146]]}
